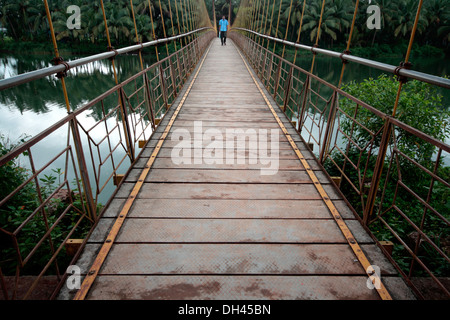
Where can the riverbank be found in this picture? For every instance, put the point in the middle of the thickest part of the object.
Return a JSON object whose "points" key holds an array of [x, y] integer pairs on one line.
{"points": [[65, 48], [386, 51], [87, 48], [45, 47]]}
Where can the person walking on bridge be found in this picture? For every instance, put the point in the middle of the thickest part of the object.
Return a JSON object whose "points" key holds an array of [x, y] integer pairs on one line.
{"points": [[223, 30]]}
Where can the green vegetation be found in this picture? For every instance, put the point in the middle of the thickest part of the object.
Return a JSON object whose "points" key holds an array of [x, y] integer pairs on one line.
{"points": [[420, 107], [21, 206], [397, 19], [26, 21]]}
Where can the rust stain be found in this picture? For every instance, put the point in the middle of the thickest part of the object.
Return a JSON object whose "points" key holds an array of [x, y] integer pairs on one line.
{"points": [[182, 291]]}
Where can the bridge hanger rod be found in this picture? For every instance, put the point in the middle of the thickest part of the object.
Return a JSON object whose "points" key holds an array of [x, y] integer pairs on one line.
{"points": [[435, 80], [41, 73]]}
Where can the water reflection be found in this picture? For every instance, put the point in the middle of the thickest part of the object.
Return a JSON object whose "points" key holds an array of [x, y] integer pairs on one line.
{"points": [[86, 82], [83, 83]]}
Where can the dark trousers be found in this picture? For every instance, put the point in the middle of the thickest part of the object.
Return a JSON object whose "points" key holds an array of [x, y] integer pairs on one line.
{"points": [[223, 37]]}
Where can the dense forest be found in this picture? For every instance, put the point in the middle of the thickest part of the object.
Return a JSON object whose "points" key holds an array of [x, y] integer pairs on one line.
{"points": [[25, 20], [396, 22]]}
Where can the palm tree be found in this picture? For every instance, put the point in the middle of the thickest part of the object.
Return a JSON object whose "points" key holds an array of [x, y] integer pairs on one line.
{"points": [[444, 31], [404, 22], [437, 13], [336, 18], [120, 23]]}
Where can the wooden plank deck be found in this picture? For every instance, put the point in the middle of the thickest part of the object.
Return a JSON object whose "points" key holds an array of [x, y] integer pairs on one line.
{"points": [[225, 231]]}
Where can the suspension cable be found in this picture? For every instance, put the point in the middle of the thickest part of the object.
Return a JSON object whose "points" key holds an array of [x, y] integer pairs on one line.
{"points": [[184, 22], [108, 37], [137, 35], [300, 29], [318, 36], [171, 22], [255, 14], [57, 56], [178, 24], [278, 23], [347, 50], [408, 53], [163, 25], [264, 14], [265, 22], [271, 21], [153, 28], [287, 29]]}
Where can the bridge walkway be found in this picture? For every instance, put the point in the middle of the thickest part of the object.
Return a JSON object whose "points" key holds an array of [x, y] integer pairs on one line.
{"points": [[216, 227]]}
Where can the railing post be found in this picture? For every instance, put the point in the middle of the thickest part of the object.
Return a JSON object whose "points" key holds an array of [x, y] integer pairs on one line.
{"points": [[304, 102], [186, 61], [84, 175], [180, 74], [259, 69], [263, 71], [126, 125], [287, 90], [198, 49], [277, 80], [329, 129], [252, 54], [163, 85], [180, 69], [270, 71], [378, 170], [174, 79], [149, 98]]}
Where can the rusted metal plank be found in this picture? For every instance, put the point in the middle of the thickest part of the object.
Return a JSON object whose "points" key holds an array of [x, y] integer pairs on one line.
{"points": [[116, 227], [171, 144], [223, 176], [165, 163], [232, 288], [228, 220], [353, 243], [270, 259], [236, 231], [229, 209], [232, 191], [283, 154]]}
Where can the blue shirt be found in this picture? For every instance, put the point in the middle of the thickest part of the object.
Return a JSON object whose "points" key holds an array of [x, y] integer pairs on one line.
{"points": [[223, 25]]}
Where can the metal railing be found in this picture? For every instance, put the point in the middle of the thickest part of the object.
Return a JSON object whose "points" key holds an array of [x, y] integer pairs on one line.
{"points": [[99, 143], [403, 72], [41, 73], [367, 164]]}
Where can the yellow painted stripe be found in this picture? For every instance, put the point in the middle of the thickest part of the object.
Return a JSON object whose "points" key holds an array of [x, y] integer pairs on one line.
{"points": [[107, 245], [382, 291]]}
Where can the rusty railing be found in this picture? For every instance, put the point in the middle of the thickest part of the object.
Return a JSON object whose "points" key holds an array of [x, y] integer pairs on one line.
{"points": [[100, 141], [410, 223]]}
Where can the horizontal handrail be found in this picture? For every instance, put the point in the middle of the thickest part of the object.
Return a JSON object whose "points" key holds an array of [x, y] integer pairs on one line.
{"points": [[90, 164], [72, 115], [371, 175], [428, 78], [41, 73]]}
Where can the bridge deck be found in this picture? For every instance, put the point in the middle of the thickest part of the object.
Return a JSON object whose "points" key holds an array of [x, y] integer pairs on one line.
{"points": [[227, 231]]}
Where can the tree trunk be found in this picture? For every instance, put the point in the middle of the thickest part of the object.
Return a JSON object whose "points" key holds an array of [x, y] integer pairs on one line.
{"points": [[374, 35]]}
